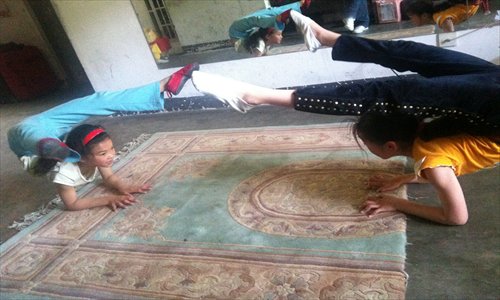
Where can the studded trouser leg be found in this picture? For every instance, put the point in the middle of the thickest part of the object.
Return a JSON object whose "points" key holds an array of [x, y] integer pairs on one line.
{"points": [[413, 95], [469, 89], [428, 61]]}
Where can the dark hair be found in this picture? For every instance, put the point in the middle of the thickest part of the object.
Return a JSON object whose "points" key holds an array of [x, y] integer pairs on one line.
{"points": [[449, 126], [379, 128], [252, 41], [74, 140], [421, 7]]}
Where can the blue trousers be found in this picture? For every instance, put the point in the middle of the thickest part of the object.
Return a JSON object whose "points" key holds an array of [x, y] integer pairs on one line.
{"points": [[449, 83], [264, 18], [58, 121], [358, 10]]}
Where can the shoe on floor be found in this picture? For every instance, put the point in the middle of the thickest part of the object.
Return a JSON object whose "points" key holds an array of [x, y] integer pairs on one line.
{"points": [[303, 23], [224, 89], [52, 148], [177, 80], [349, 24], [360, 29]]}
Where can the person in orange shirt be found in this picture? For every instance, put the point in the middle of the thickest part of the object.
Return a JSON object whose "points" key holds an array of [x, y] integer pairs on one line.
{"points": [[439, 159], [459, 92], [446, 15]]}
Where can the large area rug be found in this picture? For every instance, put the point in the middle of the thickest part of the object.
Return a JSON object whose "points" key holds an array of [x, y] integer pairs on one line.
{"points": [[264, 213]]}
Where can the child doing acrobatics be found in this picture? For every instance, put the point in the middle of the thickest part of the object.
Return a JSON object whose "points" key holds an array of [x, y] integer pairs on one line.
{"points": [[257, 32], [439, 159], [88, 149]]}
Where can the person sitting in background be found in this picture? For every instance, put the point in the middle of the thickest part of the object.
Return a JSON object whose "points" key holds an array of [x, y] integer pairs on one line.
{"points": [[446, 15]]}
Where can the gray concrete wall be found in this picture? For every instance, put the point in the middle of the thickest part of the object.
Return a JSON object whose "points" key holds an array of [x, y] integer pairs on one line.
{"points": [[198, 22]]}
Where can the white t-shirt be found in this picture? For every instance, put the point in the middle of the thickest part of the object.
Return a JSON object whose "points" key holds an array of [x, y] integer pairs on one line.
{"points": [[262, 47], [69, 174]]}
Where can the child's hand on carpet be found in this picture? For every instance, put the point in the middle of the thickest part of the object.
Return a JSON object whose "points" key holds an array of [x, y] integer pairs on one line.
{"points": [[121, 201], [378, 204], [142, 189]]}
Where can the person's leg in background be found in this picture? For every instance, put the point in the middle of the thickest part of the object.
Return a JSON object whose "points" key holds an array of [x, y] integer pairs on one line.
{"points": [[357, 18], [363, 18], [485, 5]]}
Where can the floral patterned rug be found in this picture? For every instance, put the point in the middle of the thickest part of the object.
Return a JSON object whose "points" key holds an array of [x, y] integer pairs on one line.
{"points": [[262, 213]]}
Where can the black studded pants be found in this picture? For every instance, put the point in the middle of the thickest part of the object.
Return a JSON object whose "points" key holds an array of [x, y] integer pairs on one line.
{"points": [[449, 83]]}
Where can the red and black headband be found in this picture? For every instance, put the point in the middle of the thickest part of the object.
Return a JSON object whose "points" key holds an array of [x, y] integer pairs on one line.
{"points": [[91, 135]]}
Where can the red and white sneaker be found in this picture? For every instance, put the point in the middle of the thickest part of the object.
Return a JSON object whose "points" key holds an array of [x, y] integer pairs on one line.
{"points": [[284, 16], [177, 80], [52, 148]]}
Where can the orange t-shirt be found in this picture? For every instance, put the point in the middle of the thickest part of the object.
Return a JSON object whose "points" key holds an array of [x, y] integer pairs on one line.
{"points": [[464, 153], [457, 13]]}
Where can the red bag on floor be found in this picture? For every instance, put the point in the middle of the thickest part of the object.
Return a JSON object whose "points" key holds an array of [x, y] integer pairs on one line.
{"points": [[26, 72]]}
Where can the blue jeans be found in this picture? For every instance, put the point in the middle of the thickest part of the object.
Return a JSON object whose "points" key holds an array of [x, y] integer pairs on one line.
{"points": [[58, 121], [358, 10], [264, 18], [449, 83]]}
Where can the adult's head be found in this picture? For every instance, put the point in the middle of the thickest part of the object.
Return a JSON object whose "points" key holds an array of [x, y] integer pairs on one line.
{"points": [[420, 12], [386, 134]]}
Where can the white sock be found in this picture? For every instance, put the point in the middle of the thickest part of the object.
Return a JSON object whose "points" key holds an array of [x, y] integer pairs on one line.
{"points": [[226, 90], [303, 23]]}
